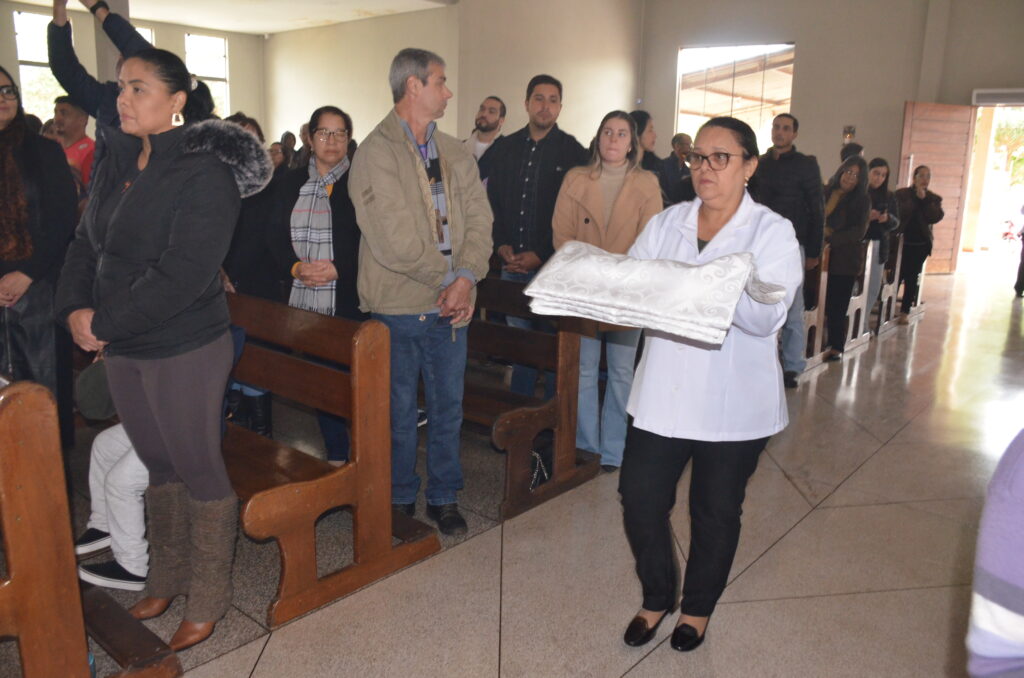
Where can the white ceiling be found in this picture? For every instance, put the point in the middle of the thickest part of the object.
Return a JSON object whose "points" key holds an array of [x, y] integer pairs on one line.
{"points": [[264, 16]]}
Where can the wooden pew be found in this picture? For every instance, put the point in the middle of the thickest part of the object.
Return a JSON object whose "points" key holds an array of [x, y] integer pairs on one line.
{"points": [[516, 420], [283, 490], [39, 599]]}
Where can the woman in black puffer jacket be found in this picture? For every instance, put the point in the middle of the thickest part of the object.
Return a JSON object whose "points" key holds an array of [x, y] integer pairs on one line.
{"points": [[141, 283]]}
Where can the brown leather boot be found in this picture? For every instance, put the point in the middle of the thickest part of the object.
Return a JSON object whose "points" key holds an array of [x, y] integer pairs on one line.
{"points": [[214, 526], [189, 634], [167, 532]]}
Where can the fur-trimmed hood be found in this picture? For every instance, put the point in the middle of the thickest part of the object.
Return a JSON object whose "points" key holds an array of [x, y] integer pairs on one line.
{"points": [[236, 147]]}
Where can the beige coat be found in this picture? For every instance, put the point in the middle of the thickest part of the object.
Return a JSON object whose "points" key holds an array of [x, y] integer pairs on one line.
{"points": [[400, 267], [579, 211]]}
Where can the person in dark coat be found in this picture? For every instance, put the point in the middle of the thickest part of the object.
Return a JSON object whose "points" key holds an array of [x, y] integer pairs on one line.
{"points": [[920, 209], [789, 183], [141, 282], [846, 222], [523, 173], [37, 218], [885, 218], [648, 138], [317, 240]]}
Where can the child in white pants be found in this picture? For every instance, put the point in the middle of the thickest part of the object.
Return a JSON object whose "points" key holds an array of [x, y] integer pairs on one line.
{"points": [[117, 483]]}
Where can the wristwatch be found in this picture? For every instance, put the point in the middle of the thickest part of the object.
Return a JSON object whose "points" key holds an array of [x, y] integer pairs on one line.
{"points": [[98, 6]]}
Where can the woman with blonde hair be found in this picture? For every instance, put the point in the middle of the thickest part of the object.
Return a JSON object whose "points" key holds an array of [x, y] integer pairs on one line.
{"points": [[607, 203]]}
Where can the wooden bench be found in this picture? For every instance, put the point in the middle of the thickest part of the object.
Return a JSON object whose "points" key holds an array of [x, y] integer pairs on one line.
{"points": [[516, 420], [284, 491], [39, 600]]}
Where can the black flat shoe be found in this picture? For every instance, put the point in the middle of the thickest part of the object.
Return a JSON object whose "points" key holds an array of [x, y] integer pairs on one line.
{"points": [[685, 638], [638, 633]]}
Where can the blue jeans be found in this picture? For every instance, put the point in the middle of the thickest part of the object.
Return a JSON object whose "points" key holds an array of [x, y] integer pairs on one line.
{"points": [[426, 345], [794, 341], [524, 377], [605, 435], [335, 432]]}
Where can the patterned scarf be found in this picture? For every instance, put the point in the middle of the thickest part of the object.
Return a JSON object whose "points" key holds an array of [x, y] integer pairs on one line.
{"points": [[312, 235]]}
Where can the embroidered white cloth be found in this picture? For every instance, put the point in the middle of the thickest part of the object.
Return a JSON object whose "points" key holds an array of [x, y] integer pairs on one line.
{"points": [[695, 302]]}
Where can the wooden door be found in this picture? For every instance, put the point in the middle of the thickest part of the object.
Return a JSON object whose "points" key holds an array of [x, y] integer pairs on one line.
{"points": [[940, 136]]}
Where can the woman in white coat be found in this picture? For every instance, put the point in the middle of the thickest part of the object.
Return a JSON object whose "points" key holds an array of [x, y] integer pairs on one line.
{"points": [[716, 405]]}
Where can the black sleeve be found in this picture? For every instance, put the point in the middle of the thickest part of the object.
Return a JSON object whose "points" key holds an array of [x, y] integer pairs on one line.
{"points": [[499, 231], [814, 199], [86, 90], [279, 227], [58, 207], [123, 35]]}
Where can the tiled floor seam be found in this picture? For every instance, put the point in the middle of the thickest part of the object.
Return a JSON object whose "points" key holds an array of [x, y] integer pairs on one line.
{"points": [[262, 650], [501, 589], [937, 587]]}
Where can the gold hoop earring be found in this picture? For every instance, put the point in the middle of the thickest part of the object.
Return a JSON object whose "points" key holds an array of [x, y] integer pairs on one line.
{"points": [[177, 119]]}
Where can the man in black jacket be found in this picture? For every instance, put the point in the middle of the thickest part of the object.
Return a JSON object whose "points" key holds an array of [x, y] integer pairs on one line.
{"points": [[524, 173], [789, 182]]}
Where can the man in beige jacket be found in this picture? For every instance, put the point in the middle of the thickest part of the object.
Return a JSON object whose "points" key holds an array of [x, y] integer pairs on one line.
{"points": [[426, 226]]}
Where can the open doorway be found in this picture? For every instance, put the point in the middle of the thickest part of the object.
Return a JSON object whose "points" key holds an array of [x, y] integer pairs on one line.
{"points": [[995, 193]]}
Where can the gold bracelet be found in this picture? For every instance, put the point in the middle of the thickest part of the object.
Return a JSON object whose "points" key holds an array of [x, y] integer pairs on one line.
{"points": [[294, 266]]}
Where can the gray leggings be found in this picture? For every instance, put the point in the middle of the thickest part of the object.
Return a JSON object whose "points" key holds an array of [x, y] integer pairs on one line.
{"points": [[171, 409]]}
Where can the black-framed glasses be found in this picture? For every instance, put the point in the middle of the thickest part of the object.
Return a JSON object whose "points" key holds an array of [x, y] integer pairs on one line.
{"points": [[9, 92], [716, 161], [323, 134]]}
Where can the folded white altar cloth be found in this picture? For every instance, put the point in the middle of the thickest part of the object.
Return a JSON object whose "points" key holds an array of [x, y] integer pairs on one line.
{"points": [[695, 302]]}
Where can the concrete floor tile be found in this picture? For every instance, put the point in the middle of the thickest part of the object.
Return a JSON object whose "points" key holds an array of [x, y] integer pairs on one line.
{"points": [[911, 634], [440, 618], [771, 508], [569, 588], [859, 549], [235, 664]]}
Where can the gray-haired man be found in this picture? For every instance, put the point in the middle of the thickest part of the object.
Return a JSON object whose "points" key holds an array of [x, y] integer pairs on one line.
{"points": [[426, 226]]}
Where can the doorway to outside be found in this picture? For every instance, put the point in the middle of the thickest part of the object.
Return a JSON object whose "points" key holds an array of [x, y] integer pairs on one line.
{"points": [[995, 190], [751, 82]]}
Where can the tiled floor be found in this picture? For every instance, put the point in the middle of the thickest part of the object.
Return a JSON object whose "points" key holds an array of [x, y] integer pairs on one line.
{"points": [[855, 558]]}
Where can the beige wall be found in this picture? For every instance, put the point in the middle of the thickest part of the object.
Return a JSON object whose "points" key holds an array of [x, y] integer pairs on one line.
{"points": [[347, 65], [592, 46], [983, 48], [245, 52]]}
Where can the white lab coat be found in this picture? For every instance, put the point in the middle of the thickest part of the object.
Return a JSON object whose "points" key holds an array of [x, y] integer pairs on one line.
{"points": [[686, 389]]}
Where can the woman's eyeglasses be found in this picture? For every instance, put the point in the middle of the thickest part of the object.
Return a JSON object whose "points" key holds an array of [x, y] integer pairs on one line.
{"points": [[716, 161], [9, 92], [323, 135]]}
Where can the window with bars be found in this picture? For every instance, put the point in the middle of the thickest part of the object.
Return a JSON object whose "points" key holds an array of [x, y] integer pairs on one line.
{"points": [[751, 82], [206, 57]]}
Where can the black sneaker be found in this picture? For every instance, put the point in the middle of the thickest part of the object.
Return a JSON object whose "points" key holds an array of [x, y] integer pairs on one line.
{"points": [[408, 509], [111, 575], [789, 379], [421, 418], [92, 541], [448, 519]]}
